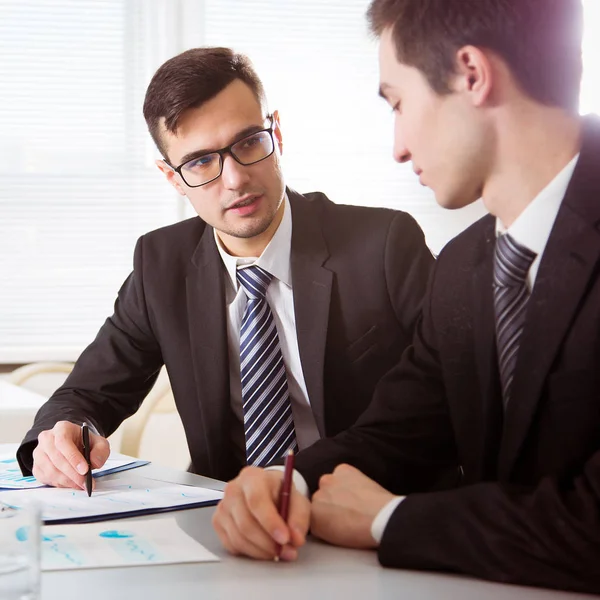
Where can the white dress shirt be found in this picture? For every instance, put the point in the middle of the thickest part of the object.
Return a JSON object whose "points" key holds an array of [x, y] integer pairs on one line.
{"points": [[276, 260], [532, 229], [533, 226]]}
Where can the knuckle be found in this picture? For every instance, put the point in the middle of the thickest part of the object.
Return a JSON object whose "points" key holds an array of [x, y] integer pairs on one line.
{"points": [[38, 473], [342, 469], [45, 436], [37, 454], [219, 514], [232, 488], [101, 445], [325, 480], [250, 472], [62, 426]]}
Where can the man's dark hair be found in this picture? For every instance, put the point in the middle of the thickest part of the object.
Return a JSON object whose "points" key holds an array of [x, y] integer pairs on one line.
{"points": [[190, 79], [540, 40]]}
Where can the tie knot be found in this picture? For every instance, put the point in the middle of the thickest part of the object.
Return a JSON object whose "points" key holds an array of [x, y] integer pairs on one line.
{"points": [[511, 262], [255, 281]]}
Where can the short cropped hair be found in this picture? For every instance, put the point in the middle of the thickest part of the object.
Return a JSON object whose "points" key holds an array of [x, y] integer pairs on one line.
{"points": [[190, 79], [540, 40]]}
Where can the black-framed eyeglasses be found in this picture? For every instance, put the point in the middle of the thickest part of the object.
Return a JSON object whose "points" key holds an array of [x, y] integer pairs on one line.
{"points": [[247, 151]]}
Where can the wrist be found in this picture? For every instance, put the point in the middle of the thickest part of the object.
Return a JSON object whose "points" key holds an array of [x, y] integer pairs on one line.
{"points": [[383, 516]]}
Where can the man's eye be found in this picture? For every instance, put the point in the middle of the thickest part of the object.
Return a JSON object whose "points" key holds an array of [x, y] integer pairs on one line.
{"points": [[201, 162], [252, 141]]}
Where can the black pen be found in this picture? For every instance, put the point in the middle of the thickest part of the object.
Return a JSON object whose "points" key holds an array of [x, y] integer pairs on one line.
{"points": [[85, 440]]}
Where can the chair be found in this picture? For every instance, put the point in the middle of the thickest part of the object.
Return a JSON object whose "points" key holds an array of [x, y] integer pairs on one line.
{"points": [[22, 375], [128, 438], [158, 401]]}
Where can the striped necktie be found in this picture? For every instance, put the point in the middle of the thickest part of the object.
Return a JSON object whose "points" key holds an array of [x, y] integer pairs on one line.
{"points": [[511, 265], [268, 420]]}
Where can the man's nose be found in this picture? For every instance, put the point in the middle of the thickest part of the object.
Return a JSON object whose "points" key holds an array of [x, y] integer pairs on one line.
{"points": [[234, 175]]}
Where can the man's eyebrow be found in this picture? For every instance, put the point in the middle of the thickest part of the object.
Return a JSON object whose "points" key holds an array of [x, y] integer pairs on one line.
{"points": [[238, 136]]}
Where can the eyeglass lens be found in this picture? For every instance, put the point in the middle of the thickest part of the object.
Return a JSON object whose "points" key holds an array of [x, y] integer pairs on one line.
{"points": [[249, 150]]}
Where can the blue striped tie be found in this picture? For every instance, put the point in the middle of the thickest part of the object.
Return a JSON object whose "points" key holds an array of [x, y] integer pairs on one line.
{"points": [[511, 265], [268, 419]]}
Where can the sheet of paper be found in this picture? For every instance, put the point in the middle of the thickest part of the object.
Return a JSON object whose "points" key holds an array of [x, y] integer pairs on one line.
{"points": [[119, 544], [12, 479], [110, 498]]}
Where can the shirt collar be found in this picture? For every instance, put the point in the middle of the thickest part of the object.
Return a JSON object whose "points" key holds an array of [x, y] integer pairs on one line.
{"points": [[533, 226], [275, 257]]}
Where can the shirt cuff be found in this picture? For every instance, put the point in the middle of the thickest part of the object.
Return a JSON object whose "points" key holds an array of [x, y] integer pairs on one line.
{"points": [[299, 481], [383, 516]]}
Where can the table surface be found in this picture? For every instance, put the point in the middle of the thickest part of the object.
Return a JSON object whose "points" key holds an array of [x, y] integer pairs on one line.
{"points": [[18, 407], [14, 398], [322, 571]]}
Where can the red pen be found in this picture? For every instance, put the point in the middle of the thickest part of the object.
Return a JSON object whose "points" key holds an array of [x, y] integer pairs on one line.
{"points": [[285, 491]]}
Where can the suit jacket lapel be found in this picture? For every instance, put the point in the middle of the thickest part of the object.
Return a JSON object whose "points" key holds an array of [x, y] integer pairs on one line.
{"points": [[312, 292], [484, 332], [208, 340], [569, 260]]}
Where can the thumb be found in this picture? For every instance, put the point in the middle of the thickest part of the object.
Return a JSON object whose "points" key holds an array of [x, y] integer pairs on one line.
{"points": [[100, 450]]}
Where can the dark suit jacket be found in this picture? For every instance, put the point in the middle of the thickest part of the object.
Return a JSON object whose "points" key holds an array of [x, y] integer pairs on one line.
{"points": [[359, 276], [528, 508]]}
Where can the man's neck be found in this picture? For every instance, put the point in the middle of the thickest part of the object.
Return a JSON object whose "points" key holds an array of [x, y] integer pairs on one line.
{"points": [[533, 145]]}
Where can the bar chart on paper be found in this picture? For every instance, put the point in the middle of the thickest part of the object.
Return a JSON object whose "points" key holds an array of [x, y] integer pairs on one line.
{"points": [[116, 544], [112, 499]]}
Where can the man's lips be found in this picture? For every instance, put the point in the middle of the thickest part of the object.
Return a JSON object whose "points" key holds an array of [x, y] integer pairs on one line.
{"points": [[245, 201]]}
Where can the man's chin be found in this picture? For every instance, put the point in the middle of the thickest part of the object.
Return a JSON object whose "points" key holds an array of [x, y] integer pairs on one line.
{"points": [[250, 230]]}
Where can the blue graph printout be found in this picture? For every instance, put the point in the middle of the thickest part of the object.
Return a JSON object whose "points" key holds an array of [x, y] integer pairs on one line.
{"points": [[118, 544]]}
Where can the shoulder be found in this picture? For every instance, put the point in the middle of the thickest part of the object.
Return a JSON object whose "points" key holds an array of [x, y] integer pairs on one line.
{"points": [[173, 242], [350, 219], [179, 235], [469, 242]]}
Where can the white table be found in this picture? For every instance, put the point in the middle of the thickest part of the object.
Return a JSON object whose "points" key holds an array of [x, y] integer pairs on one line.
{"points": [[17, 410], [322, 572]]}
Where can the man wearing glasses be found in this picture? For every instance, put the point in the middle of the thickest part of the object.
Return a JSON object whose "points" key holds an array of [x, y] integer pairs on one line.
{"points": [[274, 313]]}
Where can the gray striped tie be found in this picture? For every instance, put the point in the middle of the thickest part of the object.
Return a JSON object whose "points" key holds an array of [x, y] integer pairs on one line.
{"points": [[268, 419], [511, 265]]}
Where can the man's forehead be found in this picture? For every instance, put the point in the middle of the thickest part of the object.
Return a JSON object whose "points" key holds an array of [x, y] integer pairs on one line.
{"points": [[203, 131]]}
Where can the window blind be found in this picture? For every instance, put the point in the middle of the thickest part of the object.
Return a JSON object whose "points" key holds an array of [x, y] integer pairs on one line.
{"points": [[78, 183]]}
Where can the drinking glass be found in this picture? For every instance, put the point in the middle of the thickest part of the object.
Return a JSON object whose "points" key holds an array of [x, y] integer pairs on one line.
{"points": [[19, 550]]}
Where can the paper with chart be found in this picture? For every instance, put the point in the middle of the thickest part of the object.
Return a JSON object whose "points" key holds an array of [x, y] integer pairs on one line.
{"points": [[110, 499], [11, 477], [119, 544]]}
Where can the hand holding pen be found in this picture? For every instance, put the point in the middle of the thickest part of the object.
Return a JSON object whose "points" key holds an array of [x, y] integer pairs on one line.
{"points": [[262, 516], [59, 458]]}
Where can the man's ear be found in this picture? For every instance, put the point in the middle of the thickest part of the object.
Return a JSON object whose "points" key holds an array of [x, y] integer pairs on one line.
{"points": [[277, 130], [475, 74], [171, 175]]}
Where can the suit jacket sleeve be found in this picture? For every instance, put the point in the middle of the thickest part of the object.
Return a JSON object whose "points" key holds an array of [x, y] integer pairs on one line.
{"points": [[114, 373], [545, 535]]}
